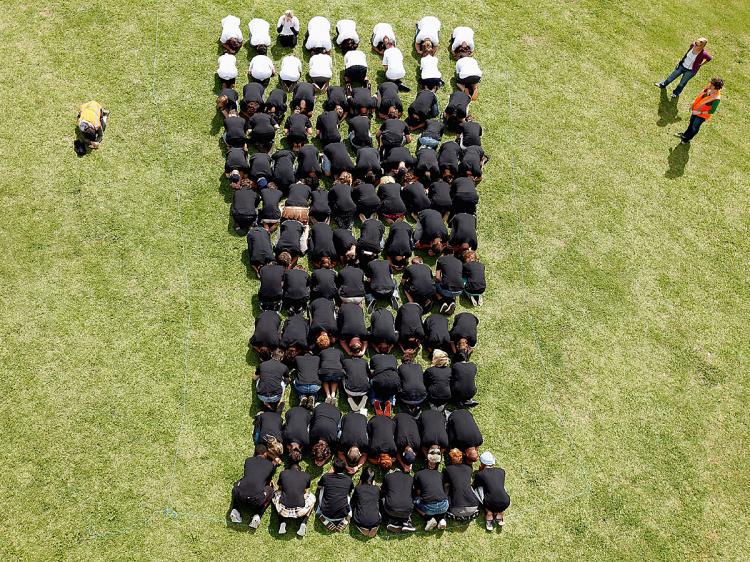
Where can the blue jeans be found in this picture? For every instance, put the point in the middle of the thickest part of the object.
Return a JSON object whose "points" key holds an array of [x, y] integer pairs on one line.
{"points": [[325, 164], [306, 389], [432, 508], [428, 142], [693, 128], [687, 74]]}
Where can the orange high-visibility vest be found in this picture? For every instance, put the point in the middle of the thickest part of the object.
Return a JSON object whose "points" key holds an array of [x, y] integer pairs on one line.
{"points": [[701, 103], [91, 112]]}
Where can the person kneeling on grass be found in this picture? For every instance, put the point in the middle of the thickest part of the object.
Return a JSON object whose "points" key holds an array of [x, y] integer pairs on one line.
{"points": [[396, 502], [91, 123], [333, 497], [430, 499], [292, 499], [489, 486], [271, 378], [464, 505], [365, 512], [252, 493]]}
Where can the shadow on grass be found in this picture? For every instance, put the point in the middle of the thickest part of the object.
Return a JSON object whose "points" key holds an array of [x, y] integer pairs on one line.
{"points": [[677, 160], [667, 111]]}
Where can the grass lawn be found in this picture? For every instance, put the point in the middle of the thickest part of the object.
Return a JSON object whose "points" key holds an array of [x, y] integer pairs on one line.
{"points": [[613, 356]]}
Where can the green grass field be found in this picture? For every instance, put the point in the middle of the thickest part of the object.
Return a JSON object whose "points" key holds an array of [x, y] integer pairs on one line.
{"points": [[614, 352]]}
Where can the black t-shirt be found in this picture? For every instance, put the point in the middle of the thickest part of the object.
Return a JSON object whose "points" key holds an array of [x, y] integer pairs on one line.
{"points": [[471, 133], [472, 160], [458, 105], [351, 282], [464, 230], [436, 332], [307, 367], [351, 321], [396, 155], [380, 279], [308, 161], [432, 429], [296, 427], [271, 282], [297, 125], [492, 481], [299, 195], [400, 240], [231, 95], [289, 238], [451, 271], [277, 100], [357, 374], [423, 105], [430, 485], [415, 196], [463, 380], [412, 381], [434, 129], [463, 431], [257, 475], [353, 432], [336, 96], [244, 202], [323, 283], [440, 196], [396, 493], [368, 160], [283, 168], [362, 98], [448, 156], [419, 281], [259, 245], [460, 493], [360, 125], [339, 157], [294, 332], [465, 195], [235, 127], [407, 432], [236, 160], [271, 373], [473, 272], [304, 91], [253, 91], [392, 132], [322, 317], [330, 361], [335, 501], [432, 226], [262, 125], [365, 506], [271, 199], [293, 483], [366, 198], [390, 199], [266, 329], [427, 162], [382, 327], [370, 234], [321, 238], [409, 322], [465, 326], [343, 240], [328, 127], [384, 382], [296, 284], [325, 424], [389, 97], [438, 383], [340, 199], [269, 423], [381, 430], [260, 166]]}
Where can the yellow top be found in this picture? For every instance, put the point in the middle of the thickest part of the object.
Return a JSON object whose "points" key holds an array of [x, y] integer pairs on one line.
{"points": [[91, 112]]}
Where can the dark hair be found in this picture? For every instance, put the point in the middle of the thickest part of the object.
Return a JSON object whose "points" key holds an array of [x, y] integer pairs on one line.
{"points": [[321, 450], [370, 177], [312, 181], [295, 455], [261, 49], [717, 82], [338, 465], [368, 475], [260, 449]]}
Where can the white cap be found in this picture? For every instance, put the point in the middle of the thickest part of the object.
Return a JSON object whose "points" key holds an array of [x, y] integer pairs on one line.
{"points": [[487, 459]]}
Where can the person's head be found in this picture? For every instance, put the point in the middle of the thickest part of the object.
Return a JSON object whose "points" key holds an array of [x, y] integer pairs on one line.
{"points": [[381, 347], [456, 456], [353, 454], [291, 352], [323, 340], [339, 111], [355, 345], [409, 177], [289, 14], [261, 450], [409, 355], [436, 247], [261, 183], [370, 177], [284, 258], [302, 106], [448, 175], [234, 178], [345, 178], [338, 465], [275, 448], [312, 181], [471, 455], [701, 42], [469, 256], [440, 358], [487, 459], [417, 259], [408, 456], [463, 346], [434, 456], [386, 179], [321, 452], [385, 461], [368, 475], [392, 112], [717, 83], [326, 263], [277, 354], [427, 47], [262, 49], [221, 103], [387, 42], [295, 452]]}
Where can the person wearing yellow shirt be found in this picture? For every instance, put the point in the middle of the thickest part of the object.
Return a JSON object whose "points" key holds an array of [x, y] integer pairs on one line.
{"points": [[90, 125]]}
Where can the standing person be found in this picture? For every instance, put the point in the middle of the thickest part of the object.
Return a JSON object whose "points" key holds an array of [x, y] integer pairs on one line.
{"points": [[91, 123], [333, 497], [231, 34], [489, 485], [430, 499], [292, 498], [688, 66], [704, 106], [288, 29], [252, 493], [365, 512]]}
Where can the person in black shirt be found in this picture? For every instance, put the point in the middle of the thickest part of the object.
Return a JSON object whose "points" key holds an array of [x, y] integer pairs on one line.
{"points": [[297, 129], [432, 134], [334, 488], [382, 336], [243, 210], [465, 196], [227, 100], [320, 246], [270, 213], [430, 233], [275, 105], [436, 333], [412, 389], [331, 372], [303, 98], [392, 133], [463, 233], [262, 128], [418, 284], [337, 100], [464, 434], [292, 499], [253, 95], [296, 290], [356, 383], [323, 329], [430, 499], [395, 497], [252, 493], [296, 432], [271, 286], [320, 211], [427, 166], [464, 335], [399, 245], [265, 338], [307, 380], [368, 165], [324, 429], [362, 102], [294, 337], [398, 162], [464, 505], [327, 126], [351, 285], [308, 165], [365, 499], [260, 169], [432, 431], [437, 380], [449, 283], [469, 133], [346, 246], [235, 129], [236, 167], [414, 193], [343, 207], [297, 204], [267, 428], [408, 440], [380, 285], [457, 109], [440, 197], [366, 198], [323, 284], [463, 384], [448, 157], [388, 101], [259, 248], [283, 169], [352, 331], [270, 376], [382, 444], [370, 240], [410, 329], [336, 159], [473, 160], [359, 132], [353, 441], [292, 242], [489, 484], [424, 107], [384, 383]]}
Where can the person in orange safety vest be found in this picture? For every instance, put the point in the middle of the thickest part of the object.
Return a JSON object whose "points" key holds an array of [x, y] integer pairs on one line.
{"points": [[703, 108]]}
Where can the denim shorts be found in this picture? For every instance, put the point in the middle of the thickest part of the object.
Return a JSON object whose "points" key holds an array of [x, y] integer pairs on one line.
{"points": [[431, 508], [428, 141], [447, 293], [305, 389]]}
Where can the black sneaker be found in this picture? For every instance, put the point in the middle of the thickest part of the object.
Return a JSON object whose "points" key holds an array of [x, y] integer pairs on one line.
{"points": [[393, 528], [659, 85], [403, 88], [408, 527]]}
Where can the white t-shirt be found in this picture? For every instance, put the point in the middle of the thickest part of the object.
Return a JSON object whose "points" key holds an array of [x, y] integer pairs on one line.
{"points": [[259, 34], [346, 29], [227, 67], [689, 60], [261, 67], [429, 67], [319, 34], [463, 35], [355, 58], [291, 68], [428, 28], [321, 66], [286, 27], [393, 60], [467, 66], [380, 31], [230, 29]]}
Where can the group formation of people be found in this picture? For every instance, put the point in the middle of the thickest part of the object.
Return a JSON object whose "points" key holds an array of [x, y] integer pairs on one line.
{"points": [[312, 332]]}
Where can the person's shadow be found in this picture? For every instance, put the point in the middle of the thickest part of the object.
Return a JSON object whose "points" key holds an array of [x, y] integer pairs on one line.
{"points": [[667, 111], [677, 160]]}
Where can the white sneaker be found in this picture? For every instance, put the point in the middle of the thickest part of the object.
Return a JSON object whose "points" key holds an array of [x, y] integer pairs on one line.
{"points": [[442, 524], [430, 525], [282, 528], [302, 530], [235, 516], [255, 522]]}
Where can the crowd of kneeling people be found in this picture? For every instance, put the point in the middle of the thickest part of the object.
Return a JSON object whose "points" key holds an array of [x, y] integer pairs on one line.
{"points": [[384, 185]]}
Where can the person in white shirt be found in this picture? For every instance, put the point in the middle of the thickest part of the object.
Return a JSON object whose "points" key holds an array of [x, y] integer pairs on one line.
{"points": [[261, 69], [290, 72], [260, 38], [320, 71], [393, 61], [227, 70], [231, 34], [468, 75], [355, 68], [383, 37], [427, 38], [462, 42], [346, 35], [429, 73], [318, 36], [288, 29]]}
